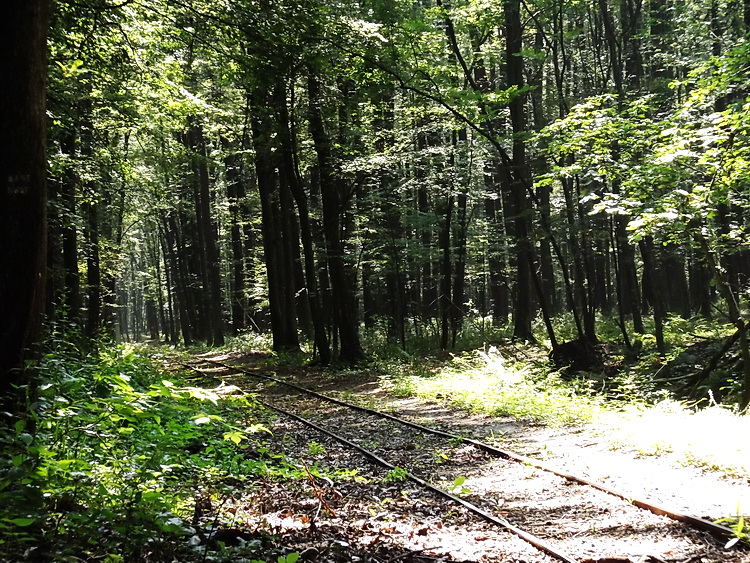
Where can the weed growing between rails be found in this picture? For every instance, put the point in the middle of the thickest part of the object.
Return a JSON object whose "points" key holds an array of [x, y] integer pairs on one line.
{"points": [[119, 461]]}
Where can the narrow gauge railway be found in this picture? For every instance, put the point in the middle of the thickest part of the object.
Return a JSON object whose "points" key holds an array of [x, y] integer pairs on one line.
{"points": [[569, 518]]}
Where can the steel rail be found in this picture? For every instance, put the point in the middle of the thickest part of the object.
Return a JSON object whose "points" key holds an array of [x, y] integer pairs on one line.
{"points": [[533, 540], [538, 543], [694, 521]]}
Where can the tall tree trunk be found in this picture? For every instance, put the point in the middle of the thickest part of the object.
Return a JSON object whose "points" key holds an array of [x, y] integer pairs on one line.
{"points": [[444, 245], [619, 285], [189, 308], [170, 244], [460, 227], [169, 276], [90, 210], [93, 273], [654, 289], [459, 275], [331, 188], [585, 270], [208, 236], [660, 25], [289, 163], [631, 25], [110, 230], [69, 233], [395, 285], [294, 277], [152, 247], [429, 294], [23, 186], [496, 262], [672, 274], [518, 177], [280, 298], [235, 196], [497, 284], [539, 165], [701, 300], [578, 298], [628, 278]]}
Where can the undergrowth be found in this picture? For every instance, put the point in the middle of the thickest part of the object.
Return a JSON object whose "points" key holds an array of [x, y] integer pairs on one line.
{"points": [[114, 458], [487, 382]]}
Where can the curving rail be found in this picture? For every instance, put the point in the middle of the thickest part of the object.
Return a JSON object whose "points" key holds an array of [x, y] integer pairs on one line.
{"points": [[542, 545]]}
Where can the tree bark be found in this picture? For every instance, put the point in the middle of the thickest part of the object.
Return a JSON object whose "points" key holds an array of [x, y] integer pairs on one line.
{"points": [[176, 254], [651, 266], [69, 233], [496, 259], [444, 245], [208, 236], [343, 292], [93, 273], [288, 162], [23, 186], [280, 296], [235, 197], [428, 295], [518, 177]]}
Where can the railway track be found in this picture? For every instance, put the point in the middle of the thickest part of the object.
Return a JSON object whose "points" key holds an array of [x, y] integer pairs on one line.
{"points": [[550, 509]]}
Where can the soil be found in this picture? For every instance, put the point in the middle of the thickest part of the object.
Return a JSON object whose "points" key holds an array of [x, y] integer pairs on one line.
{"points": [[371, 517]]}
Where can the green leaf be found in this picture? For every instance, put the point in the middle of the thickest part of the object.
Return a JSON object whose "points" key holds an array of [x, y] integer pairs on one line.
{"points": [[23, 522], [235, 436], [65, 463]]}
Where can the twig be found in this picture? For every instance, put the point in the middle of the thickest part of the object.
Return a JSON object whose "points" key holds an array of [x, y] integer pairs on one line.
{"points": [[316, 490], [410, 554]]}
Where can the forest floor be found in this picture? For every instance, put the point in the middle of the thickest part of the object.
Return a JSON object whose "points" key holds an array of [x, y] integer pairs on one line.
{"points": [[360, 512]]}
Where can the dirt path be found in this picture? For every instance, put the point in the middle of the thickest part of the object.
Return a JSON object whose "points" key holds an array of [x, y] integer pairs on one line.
{"points": [[583, 452], [588, 524]]}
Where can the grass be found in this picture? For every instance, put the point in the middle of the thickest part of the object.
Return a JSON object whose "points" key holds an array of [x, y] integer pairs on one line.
{"points": [[629, 407], [486, 383]]}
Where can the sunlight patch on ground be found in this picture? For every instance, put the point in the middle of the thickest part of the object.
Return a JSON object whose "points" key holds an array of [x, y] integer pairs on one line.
{"points": [[715, 438], [213, 356]]}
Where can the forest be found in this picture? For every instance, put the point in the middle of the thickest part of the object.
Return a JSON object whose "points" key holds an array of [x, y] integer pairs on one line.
{"points": [[336, 182]]}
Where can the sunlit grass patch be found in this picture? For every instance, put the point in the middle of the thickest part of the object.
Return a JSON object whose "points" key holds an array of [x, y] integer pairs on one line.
{"points": [[485, 382], [248, 341]]}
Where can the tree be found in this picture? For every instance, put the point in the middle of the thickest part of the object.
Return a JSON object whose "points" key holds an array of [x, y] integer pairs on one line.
{"points": [[334, 195], [402, 165], [23, 190]]}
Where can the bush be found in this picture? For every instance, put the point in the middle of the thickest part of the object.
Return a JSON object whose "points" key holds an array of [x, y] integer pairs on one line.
{"points": [[111, 456]]}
